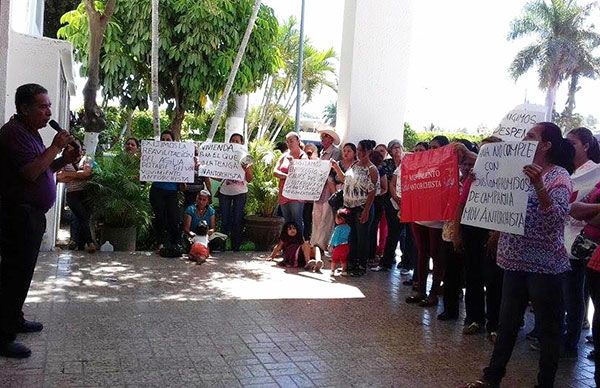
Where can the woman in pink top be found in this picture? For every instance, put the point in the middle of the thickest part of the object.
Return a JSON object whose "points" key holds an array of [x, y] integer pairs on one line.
{"points": [[291, 209]]}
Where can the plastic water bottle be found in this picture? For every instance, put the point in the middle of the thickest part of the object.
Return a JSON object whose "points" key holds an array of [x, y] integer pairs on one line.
{"points": [[107, 247]]}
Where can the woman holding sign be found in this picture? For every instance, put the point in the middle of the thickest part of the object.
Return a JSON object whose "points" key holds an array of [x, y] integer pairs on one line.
{"points": [[290, 208], [360, 182], [534, 264], [165, 205], [232, 199]]}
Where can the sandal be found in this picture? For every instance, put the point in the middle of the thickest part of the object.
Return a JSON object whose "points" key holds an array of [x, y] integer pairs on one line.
{"points": [[414, 299], [430, 301]]}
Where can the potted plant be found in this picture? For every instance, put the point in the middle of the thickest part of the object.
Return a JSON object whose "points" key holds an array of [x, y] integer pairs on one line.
{"points": [[119, 201], [262, 225]]}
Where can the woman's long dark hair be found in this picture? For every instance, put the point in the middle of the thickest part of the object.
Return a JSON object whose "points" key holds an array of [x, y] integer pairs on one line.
{"points": [[367, 145], [286, 238], [441, 140], [562, 152], [352, 147], [585, 136]]}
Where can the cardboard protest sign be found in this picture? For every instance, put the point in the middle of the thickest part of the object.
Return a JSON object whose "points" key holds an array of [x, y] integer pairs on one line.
{"points": [[498, 196], [167, 161], [222, 160], [584, 180], [306, 179], [518, 121], [429, 185]]}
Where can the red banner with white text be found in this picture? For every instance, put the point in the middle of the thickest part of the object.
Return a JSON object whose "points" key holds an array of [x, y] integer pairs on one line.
{"points": [[429, 185]]}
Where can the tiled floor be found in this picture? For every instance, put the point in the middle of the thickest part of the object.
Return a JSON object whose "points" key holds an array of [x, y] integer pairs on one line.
{"points": [[140, 320]]}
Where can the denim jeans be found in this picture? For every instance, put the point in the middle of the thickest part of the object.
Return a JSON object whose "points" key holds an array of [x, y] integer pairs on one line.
{"points": [[167, 217], [294, 212], [76, 201], [359, 238], [545, 293], [232, 214], [23, 227], [574, 303], [593, 278]]}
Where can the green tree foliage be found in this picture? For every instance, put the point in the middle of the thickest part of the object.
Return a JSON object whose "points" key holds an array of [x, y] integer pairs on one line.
{"points": [[411, 138], [53, 10], [563, 45], [280, 88], [330, 114], [198, 44]]}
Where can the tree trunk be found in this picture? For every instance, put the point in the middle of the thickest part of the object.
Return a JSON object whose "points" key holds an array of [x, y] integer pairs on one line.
{"points": [[177, 121], [573, 86], [93, 118], [235, 121], [154, 71], [550, 99], [234, 69]]}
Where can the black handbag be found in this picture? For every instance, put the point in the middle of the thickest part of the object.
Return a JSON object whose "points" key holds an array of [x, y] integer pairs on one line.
{"points": [[336, 200], [583, 247]]}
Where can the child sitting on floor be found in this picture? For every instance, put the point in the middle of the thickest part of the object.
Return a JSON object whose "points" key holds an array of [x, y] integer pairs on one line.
{"points": [[199, 251], [293, 248], [339, 242]]}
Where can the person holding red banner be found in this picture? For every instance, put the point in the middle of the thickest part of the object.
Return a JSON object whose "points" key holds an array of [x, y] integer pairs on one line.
{"points": [[360, 182], [428, 239], [535, 264]]}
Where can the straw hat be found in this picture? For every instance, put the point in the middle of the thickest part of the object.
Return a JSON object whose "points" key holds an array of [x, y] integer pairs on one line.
{"points": [[331, 132]]}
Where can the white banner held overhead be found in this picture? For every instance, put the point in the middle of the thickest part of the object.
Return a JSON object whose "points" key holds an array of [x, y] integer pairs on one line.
{"points": [[518, 121], [167, 161], [306, 179], [222, 161], [498, 196]]}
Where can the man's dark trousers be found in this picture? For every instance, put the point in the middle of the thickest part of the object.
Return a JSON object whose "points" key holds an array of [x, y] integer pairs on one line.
{"points": [[22, 228]]}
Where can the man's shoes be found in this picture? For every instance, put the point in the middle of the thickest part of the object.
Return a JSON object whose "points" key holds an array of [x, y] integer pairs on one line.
{"points": [[472, 328], [30, 327], [14, 350], [446, 316], [379, 269]]}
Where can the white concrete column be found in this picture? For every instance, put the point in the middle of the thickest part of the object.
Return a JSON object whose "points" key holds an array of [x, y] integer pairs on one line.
{"points": [[4, 37], [374, 70]]}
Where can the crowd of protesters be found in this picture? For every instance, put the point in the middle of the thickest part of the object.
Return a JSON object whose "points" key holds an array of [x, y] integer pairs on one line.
{"points": [[356, 223], [501, 273]]}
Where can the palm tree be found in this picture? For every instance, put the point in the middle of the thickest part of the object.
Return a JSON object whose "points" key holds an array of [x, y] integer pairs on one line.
{"points": [[330, 114], [281, 87], [563, 46]]}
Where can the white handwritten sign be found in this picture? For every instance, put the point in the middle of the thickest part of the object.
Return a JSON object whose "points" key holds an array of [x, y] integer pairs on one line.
{"points": [[167, 161], [498, 196], [518, 121], [222, 160], [306, 179], [584, 180]]}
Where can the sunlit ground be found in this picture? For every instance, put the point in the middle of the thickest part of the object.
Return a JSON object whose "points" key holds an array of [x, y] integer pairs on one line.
{"points": [[124, 319]]}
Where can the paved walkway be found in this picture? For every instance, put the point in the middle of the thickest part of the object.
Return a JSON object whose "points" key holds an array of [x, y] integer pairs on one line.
{"points": [[140, 320]]}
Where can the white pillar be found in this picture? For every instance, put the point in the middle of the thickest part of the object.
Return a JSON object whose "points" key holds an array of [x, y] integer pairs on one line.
{"points": [[4, 36], [374, 70]]}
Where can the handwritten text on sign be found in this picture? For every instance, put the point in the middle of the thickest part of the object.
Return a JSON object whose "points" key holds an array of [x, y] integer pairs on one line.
{"points": [[498, 196], [167, 161], [306, 179], [222, 160], [518, 121]]}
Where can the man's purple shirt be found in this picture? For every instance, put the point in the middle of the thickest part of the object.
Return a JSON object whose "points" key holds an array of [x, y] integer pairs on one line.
{"points": [[18, 147]]}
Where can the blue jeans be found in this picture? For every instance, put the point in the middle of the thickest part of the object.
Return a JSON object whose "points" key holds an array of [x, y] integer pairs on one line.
{"points": [[232, 214], [574, 303], [359, 238], [545, 293], [293, 212]]}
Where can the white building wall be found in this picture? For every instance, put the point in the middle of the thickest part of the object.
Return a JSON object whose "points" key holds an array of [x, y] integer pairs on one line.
{"points": [[43, 61], [5, 8], [374, 70]]}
